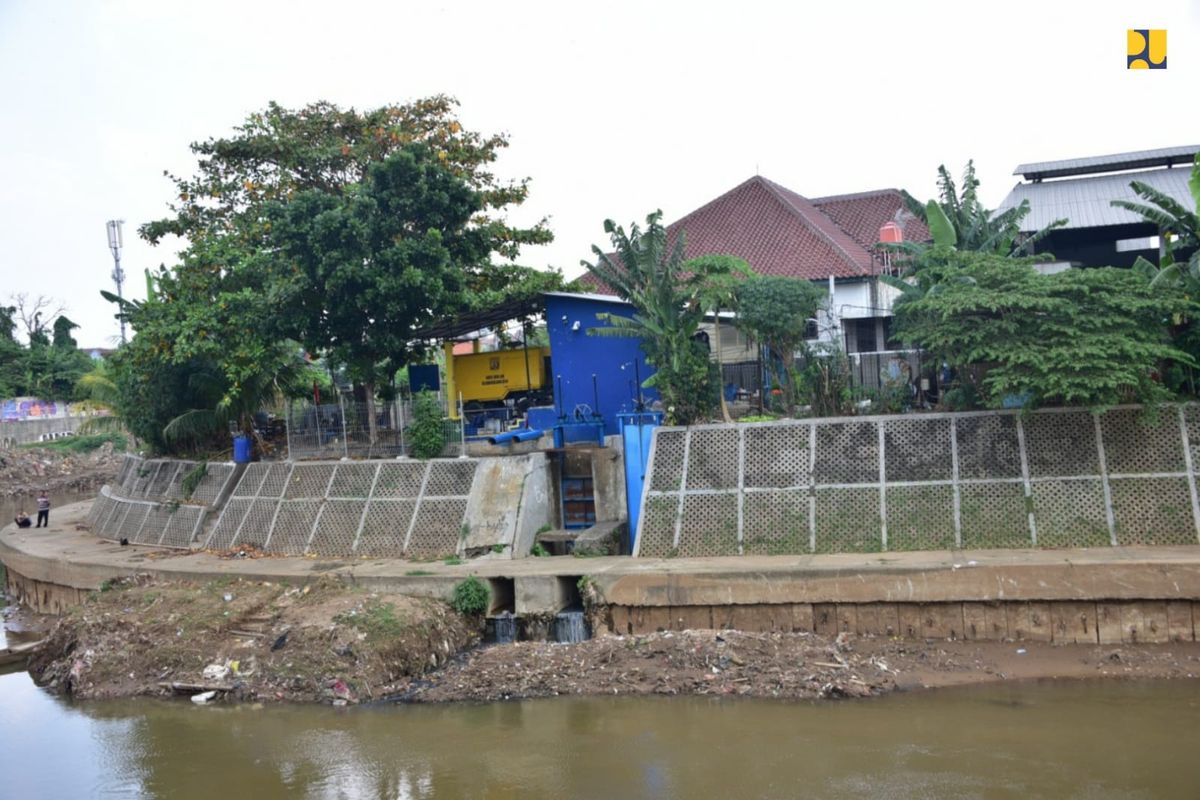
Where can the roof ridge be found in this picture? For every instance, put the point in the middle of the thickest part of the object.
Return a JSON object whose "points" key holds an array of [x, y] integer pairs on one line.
{"points": [[816, 224], [829, 198], [715, 200]]}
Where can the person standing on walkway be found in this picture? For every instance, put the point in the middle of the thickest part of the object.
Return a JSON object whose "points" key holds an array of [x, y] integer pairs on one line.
{"points": [[43, 503]]}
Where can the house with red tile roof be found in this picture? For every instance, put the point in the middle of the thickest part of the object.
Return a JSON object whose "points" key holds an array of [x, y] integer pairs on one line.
{"points": [[833, 240]]}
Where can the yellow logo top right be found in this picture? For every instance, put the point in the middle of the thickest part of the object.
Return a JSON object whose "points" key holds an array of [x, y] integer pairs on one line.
{"points": [[1146, 49]]}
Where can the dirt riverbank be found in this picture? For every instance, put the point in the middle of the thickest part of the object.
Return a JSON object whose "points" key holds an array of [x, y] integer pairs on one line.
{"points": [[25, 471], [330, 643]]}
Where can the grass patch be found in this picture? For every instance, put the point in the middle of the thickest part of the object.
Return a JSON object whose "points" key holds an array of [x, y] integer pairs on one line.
{"points": [[377, 620], [453, 561], [417, 573], [82, 444], [538, 550]]}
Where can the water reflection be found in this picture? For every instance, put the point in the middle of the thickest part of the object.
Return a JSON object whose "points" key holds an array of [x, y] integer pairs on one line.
{"points": [[1077, 740]]}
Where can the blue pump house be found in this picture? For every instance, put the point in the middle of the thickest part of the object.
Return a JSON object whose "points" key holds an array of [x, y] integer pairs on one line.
{"points": [[616, 363]]}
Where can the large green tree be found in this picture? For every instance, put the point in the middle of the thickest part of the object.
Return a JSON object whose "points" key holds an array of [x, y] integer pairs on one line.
{"points": [[1091, 337], [278, 152], [359, 273], [287, 236]]}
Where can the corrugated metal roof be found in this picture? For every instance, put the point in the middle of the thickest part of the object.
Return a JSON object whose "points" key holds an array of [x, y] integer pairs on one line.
{"points": [[1140, 159], [1087, 202]]}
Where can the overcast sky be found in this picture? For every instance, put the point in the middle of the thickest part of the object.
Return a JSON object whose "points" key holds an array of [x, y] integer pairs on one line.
{"points": [[614, 109]]}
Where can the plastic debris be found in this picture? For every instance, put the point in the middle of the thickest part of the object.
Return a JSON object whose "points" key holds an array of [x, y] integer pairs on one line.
{"points": [[203, 698], [216, 672]]}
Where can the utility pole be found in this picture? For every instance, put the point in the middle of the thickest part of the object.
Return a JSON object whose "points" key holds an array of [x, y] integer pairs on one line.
{"points": [[115, 242]]}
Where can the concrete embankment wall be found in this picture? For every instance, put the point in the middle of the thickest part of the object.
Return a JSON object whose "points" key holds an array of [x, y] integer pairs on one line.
{"points": [[24, 431], [1049, 478], [146, 504], [414, 509], [1062, 622]]}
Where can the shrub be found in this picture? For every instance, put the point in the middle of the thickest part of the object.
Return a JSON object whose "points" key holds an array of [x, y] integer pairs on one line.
{"points": [[427, 433], [470, 597]]}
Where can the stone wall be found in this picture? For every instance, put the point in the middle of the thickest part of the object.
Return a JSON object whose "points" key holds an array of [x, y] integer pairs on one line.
{"points": [[1049, 478]]}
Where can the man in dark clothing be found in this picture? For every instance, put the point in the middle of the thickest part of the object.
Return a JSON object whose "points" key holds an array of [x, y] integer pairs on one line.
{"points": [[43, 503]]}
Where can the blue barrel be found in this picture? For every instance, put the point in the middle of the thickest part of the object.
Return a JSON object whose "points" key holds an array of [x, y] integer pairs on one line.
{"points": [[241, 449]]}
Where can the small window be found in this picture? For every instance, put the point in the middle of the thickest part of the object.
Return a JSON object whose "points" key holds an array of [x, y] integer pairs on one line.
{"points": [[810, 330]]}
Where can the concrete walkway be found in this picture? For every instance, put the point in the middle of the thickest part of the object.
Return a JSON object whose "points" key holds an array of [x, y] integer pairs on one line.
{"points": [[67, 555]]}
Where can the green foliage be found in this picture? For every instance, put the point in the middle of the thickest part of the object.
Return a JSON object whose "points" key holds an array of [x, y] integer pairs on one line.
{"points": [[1179, 270], [452, 561], [278, 152], [341, 229], [959, 220], [417, 573], [45, 368], [191, 481], [83, 443], [774, 311], [470, 597], [1092, 337], [670, 298], [539, 550], [825, 382], [427, 433], [360, 271]]}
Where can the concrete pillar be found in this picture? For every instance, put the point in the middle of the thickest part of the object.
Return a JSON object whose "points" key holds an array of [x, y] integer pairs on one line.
{"points": [[450, 389]]}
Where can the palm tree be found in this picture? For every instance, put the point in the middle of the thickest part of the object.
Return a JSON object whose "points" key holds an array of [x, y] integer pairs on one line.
{"points": [[1179, 228], [650, 274], [975, 227], [234, 406]]}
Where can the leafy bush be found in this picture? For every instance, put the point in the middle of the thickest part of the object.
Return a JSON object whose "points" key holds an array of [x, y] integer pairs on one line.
{"points": [[1091, 337], [539, 550], [470, 597], [427, 434]]}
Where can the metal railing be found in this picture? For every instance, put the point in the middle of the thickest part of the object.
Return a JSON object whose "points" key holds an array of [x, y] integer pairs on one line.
{"points": [[871, 371]]}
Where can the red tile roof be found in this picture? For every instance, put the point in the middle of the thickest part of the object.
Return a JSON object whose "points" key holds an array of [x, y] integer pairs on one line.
{"points": [[779, 232], [862, 215]]}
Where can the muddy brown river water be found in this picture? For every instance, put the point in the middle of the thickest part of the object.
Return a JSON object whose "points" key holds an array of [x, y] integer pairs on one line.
{"points": [[1085, 739]]}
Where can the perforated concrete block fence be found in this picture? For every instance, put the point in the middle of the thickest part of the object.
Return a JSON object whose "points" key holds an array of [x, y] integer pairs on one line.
{"points": [[162, 479], [1049, 478], [392, 508], [169, 524]]}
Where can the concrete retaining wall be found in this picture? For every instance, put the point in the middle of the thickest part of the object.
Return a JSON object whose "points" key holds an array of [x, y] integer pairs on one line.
{"points": [[146, 503], [414, 509], [14, 432], [1062, 622], [1050, 478]]}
